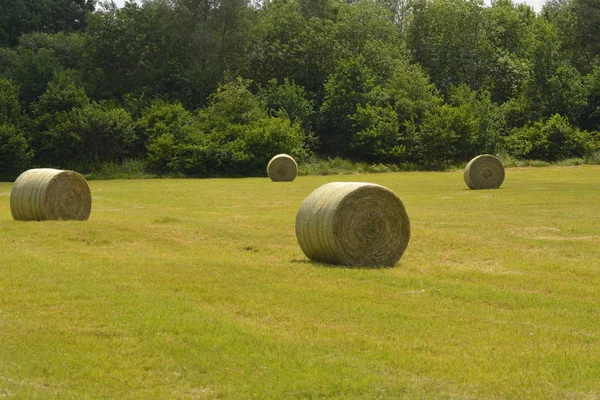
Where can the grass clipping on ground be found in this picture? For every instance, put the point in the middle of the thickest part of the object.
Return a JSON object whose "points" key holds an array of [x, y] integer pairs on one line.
{"points": [[50, 194], [353, 223], [282, 168], [484, 172]]}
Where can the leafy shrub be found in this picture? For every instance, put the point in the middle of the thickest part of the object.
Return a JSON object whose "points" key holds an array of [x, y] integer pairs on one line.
{"points": [[15, 153], [446, 137], [159, 128], [376, 133], [234, 135], [10, 109], [85, 137], [552, 140], [288, 98]]}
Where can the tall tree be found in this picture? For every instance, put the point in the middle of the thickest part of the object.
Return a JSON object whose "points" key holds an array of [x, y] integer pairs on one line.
{"points": [[18, 17], [578, 25], [447, 37]]}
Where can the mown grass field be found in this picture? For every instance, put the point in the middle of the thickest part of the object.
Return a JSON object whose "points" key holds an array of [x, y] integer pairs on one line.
{"points": [[197, 289]]}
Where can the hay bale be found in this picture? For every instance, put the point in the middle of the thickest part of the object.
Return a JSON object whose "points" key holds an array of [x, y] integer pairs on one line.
{"points": [[50, 194], [282, 168], [353, 223], [484, 172]]}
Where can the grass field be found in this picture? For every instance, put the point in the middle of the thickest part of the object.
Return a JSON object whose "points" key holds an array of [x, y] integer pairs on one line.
{"points": [[197, 289]]}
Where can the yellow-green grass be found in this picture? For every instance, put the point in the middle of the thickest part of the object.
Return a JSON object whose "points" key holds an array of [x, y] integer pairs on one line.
{"points": [[198, 289]]}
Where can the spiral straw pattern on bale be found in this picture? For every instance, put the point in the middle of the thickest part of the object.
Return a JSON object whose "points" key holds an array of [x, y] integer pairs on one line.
{"points": [[484, 172], [50, 194], [353, 223], [282, 168]]}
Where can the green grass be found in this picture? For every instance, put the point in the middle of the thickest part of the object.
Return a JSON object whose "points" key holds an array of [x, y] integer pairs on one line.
{"points": [[193, 288]]}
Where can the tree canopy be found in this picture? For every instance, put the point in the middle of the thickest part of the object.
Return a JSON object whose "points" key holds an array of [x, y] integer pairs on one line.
{"points": [[205, 87]]}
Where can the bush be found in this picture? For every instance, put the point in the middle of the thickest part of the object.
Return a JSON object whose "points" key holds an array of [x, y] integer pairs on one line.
{"points": [[10, 109], [555, 139], [159, 129], [15, 153], [446, 137], [84, 138]]}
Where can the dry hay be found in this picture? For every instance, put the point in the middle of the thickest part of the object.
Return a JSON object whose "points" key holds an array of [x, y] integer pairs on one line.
{"points": [[484, 172], [353, 223], [282, 168], [50, 194]]}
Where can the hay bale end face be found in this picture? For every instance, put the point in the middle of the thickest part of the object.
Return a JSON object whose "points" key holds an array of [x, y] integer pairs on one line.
{"points": [[282, 168], [50, 194], [484, 172], [353, 223]]}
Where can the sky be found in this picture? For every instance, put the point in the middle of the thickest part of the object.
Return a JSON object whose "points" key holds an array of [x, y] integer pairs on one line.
{"points": [[536, 4]]}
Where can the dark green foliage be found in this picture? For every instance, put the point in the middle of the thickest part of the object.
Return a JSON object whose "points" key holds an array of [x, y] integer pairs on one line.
{"points": [[427, 83], [10, 109], [554, 139], [73, 132], [447, 39], [18, 17], [15, 153], [290, 99], [62, 94], [233, 135], [85, 137], [32, 69], [160, 126], [376, 134]]}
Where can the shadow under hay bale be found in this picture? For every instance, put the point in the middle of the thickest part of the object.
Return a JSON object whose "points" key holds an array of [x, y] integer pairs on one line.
{"points": [[50, 194], [484, 172], [282, 168], [353, 223]]}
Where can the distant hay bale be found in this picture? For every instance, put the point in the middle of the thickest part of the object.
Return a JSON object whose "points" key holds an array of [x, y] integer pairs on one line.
{"points": [[282, 168], [484, 172], [353, 223], [50, 194]]}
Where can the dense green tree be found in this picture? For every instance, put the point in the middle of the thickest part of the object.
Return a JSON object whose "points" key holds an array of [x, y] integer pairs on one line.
{"points": [[160, 127], [18, 17], [555, 85], [550, 140], [32, 69], [288, 99], [235, 135], [101, 134], [375, 136], [67, 48], [447, 37], [591, 115], [287, 45], [15, 153], [10, 108], [509, 31], [429, 82], [62, 94], [129, 50], [578, 25], [352, 84]]}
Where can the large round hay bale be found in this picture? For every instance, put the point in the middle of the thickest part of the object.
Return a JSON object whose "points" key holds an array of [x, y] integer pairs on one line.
{"points": [[484, 172], [48, 194], [353, 223], [282, 168]]}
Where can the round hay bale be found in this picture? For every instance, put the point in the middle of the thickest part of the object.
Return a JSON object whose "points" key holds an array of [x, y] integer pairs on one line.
{"points": [[353, 223], [50, 194], [282, 168], [484, 172]]}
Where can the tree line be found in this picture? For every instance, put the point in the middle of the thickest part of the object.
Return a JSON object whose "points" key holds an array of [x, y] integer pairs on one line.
{"points": [[216, 87]]}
